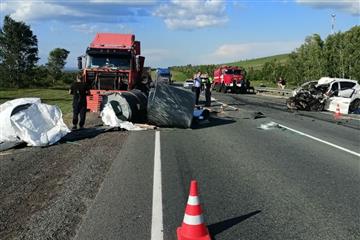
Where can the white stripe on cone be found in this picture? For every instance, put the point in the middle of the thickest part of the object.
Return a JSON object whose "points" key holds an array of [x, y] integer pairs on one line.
{"points": [[193, 200], [193, 220]]}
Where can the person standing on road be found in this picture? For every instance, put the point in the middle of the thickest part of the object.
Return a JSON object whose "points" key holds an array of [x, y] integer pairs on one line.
{"points": [[208, 84], [79, 90], [197, 87]]}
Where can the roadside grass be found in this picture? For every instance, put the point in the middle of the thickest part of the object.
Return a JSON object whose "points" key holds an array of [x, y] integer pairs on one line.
{"points": [[57, 96]]}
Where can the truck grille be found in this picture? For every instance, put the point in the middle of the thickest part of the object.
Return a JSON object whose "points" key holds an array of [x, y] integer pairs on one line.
{"points": [[108, 80]]}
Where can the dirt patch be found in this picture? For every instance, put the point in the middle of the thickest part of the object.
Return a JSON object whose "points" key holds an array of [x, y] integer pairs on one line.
{"points": [[44, 192]]}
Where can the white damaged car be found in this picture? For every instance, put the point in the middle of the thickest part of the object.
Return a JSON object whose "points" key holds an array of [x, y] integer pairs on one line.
{"points": [[327, 94], [344, 93]]}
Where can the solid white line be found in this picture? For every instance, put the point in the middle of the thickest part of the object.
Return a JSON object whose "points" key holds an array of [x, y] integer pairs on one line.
{"points": [[157, 214], [322, 141]]}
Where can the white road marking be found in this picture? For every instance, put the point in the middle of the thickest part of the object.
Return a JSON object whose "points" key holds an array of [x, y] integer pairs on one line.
{"points": [[225, 105], [157, 214], [320, 140]]}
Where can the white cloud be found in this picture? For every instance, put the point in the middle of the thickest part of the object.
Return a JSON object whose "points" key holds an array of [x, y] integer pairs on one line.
{"points": [[76, 11], [241, 51], [31, 10], [350, 6], [95, 28], [132, 2], [193, 14]]}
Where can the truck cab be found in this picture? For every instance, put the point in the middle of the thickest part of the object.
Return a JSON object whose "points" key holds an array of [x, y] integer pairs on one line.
{"points": [[229, 78], [163, 75], [112, 63]]}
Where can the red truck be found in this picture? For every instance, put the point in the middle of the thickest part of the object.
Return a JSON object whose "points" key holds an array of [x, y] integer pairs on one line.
{"points": [[229, 78], [112, 63]]}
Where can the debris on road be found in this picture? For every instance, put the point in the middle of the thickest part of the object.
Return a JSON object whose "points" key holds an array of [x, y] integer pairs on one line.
{"points": [[113, 119], [169, 106], [269, 126], [257, 115], [28, 120]]}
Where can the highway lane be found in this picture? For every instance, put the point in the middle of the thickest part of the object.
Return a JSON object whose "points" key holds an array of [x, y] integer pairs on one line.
{"points": [[254, 183]]}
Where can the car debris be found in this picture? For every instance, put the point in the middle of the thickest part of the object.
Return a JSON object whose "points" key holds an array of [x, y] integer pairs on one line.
{"points": [[28, 120], [326, 94]]}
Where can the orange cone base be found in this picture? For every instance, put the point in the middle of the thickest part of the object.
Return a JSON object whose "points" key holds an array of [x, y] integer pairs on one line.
{"points": [[180, 236]]}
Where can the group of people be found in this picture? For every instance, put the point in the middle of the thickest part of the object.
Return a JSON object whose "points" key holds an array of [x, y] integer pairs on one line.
{"points": [[199, 85]]}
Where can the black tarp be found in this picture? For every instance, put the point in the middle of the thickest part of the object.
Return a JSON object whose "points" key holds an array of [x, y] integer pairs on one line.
{"points": [[169, 106]]}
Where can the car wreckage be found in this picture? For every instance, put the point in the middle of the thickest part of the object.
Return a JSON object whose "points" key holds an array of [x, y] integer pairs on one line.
{"points": [[327, 94]]}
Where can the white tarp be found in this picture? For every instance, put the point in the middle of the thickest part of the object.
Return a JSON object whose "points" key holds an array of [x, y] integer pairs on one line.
{"points": [[32, 122], [7, 132], [109, 118]]}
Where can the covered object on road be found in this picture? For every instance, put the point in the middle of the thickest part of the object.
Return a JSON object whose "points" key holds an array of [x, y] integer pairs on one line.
{"points": [[169, 106], [28, 120]]}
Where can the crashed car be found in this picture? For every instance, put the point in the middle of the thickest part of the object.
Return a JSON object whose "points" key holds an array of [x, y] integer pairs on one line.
{"points": [[327, 94]]}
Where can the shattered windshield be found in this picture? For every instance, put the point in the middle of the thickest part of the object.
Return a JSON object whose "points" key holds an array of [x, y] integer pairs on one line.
{"points": [[118, 61]]}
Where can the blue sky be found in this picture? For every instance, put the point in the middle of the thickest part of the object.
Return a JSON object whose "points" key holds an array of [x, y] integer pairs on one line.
{"points": [[175, 32]]}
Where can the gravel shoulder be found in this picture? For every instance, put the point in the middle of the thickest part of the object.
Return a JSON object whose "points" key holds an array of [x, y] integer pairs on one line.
{"points": [[44, 192]]}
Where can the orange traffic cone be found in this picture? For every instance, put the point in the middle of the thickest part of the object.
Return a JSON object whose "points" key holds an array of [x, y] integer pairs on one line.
{"points": [[337, 114], [193, 226]]}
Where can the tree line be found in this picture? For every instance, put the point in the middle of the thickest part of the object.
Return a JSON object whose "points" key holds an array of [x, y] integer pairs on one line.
{"points": [[336, 56], [19, 59]]}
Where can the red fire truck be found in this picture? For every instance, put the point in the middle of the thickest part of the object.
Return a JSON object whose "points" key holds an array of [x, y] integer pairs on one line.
{"points": [[112, 63], [229, 78]]}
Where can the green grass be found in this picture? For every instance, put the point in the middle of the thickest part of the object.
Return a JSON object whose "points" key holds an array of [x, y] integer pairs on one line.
{"points": [[59, 97], [257, 63]]}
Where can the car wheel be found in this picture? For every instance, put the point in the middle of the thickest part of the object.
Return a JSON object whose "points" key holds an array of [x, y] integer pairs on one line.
{"points": [[354, 106]]}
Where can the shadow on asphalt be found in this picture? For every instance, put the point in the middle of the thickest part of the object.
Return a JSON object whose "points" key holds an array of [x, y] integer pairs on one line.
{"points": [[211, 122], [219, 227], [86, 133]]}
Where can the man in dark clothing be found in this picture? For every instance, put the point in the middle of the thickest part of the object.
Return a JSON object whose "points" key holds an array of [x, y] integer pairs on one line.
{"points": [[208, 92], [79, 90]]}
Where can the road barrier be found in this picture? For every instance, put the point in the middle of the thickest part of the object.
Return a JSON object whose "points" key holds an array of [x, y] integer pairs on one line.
{"points": [[275, 91]]}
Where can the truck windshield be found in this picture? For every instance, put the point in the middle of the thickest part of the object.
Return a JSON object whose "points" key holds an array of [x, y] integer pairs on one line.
{"points": [[118, 61], [233, 71], [165, 74]]}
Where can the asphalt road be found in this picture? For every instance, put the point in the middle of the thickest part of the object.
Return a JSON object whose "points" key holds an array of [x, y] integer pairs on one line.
{"points": [[254, 183]]}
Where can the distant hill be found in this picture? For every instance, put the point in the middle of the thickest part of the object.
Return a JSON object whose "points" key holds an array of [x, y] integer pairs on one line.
{"points": [[257, 63]]}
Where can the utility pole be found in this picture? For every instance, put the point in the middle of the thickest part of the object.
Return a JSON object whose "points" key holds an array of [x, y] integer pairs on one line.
{"points": [[333, 16]]}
